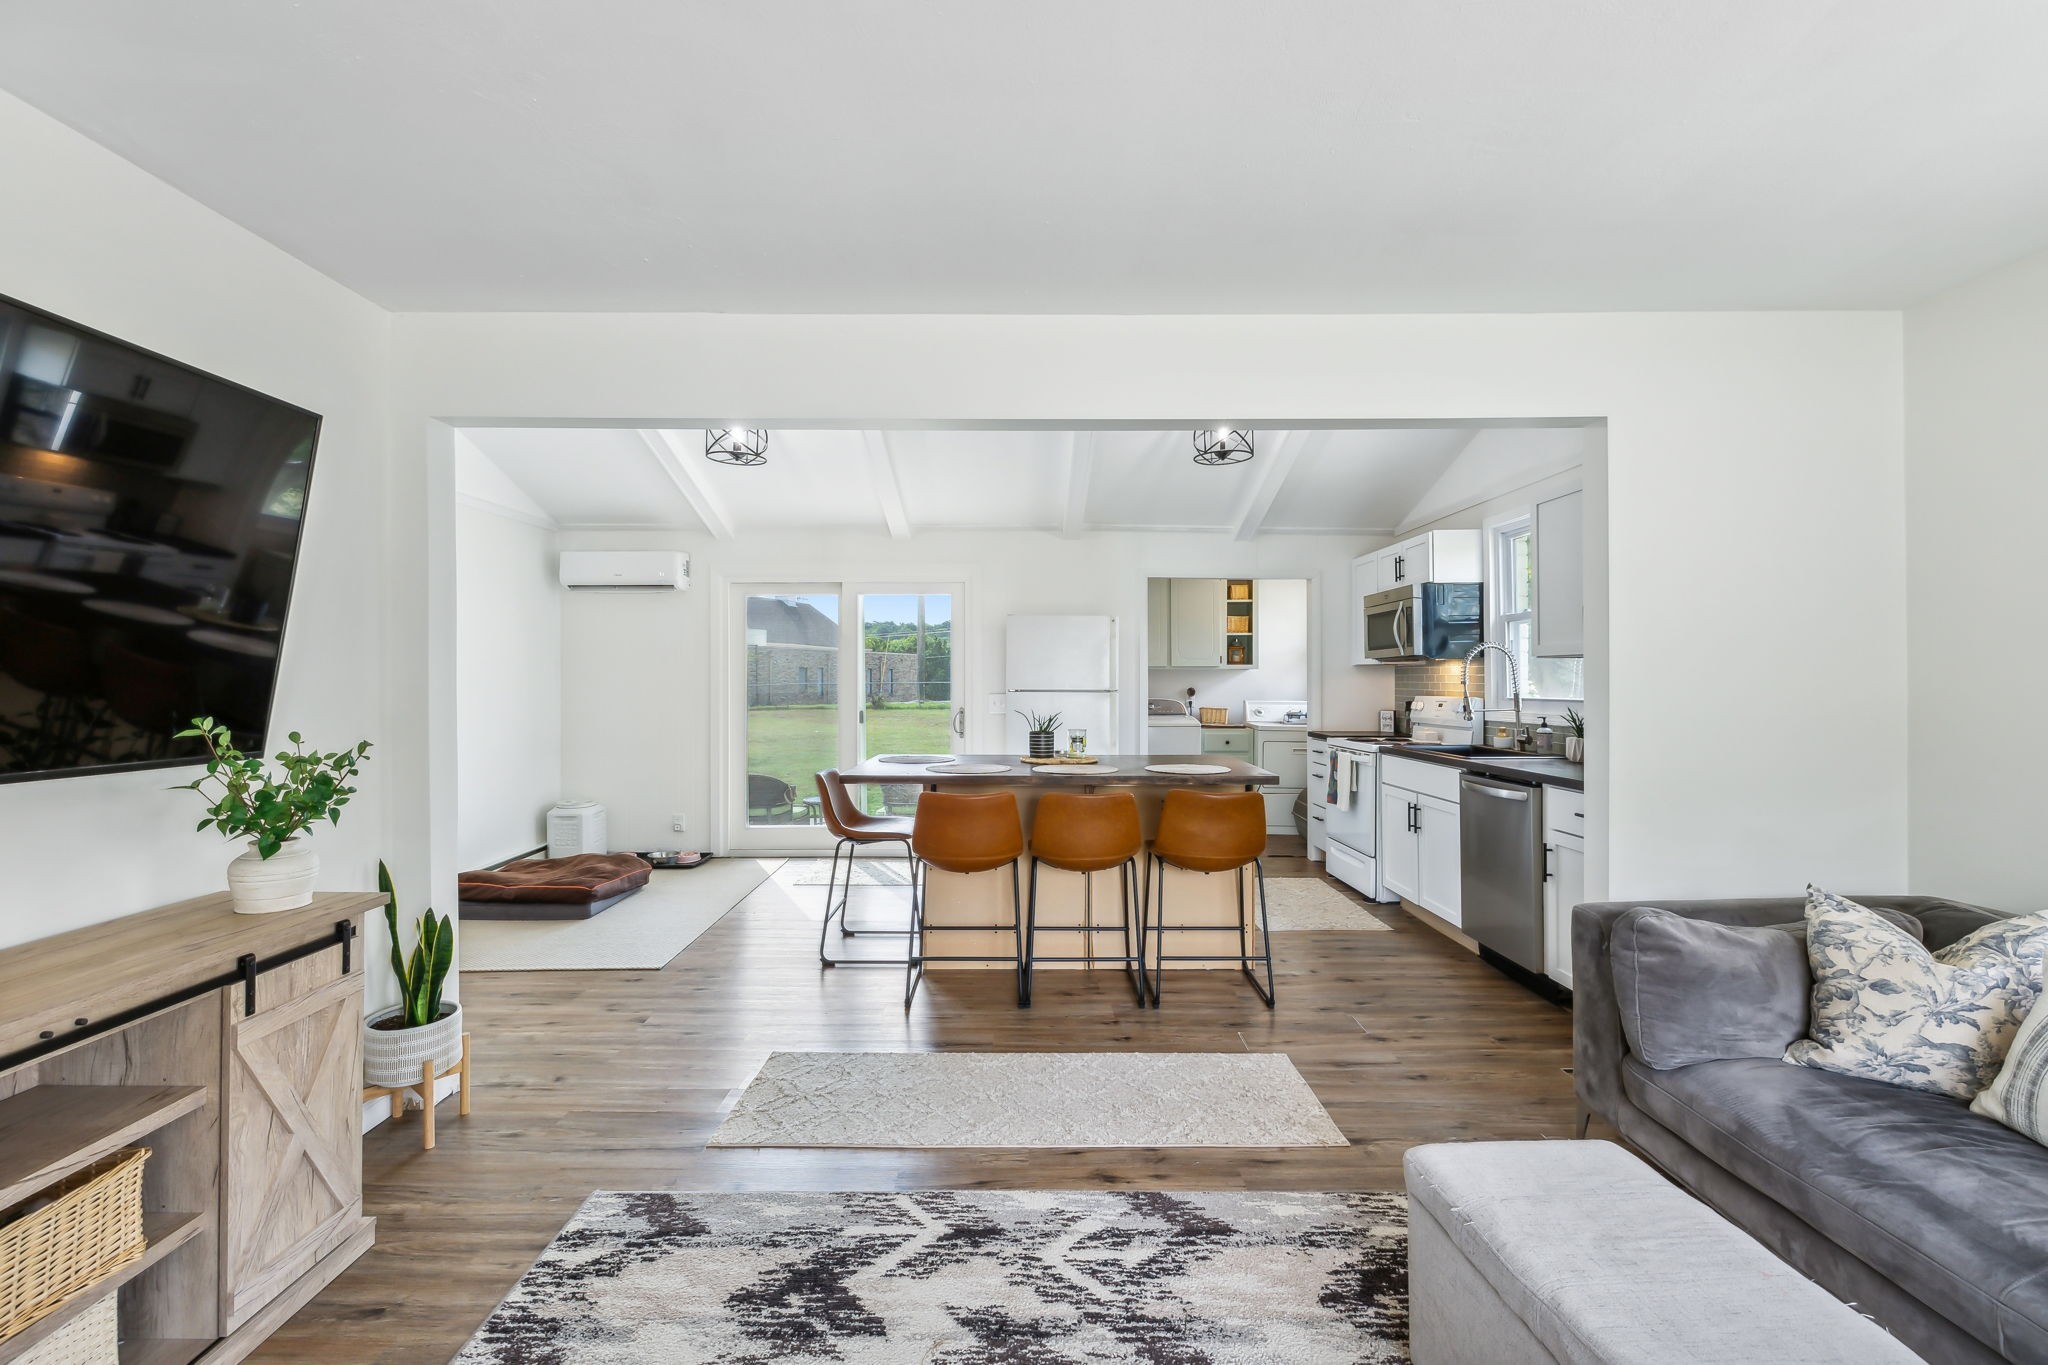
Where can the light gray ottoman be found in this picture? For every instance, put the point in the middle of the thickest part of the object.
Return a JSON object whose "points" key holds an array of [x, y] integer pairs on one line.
{"points": [[1579, 1254]]}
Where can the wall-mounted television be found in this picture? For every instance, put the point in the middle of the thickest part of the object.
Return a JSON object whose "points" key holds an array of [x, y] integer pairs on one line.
{"points": [[149, 526]]}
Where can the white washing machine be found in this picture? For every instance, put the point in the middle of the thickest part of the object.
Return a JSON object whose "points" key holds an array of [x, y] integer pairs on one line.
{"points": [[1169, 729]]}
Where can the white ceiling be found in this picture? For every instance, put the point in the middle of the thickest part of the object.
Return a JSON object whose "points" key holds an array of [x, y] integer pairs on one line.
{"points": [[1085, 156], [901, 482]]}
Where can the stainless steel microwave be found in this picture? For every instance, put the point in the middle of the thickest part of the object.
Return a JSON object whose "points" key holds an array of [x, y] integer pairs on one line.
{"points": [[1424, 621]]}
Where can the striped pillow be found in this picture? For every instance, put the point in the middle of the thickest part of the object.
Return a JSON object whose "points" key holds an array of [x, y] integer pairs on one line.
{"points": [[2018, 1096]]}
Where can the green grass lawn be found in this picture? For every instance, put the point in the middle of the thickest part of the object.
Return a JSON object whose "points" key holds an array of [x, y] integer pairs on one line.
{"points": [[793, 742]]}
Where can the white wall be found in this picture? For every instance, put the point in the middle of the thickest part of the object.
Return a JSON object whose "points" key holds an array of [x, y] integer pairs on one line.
{"points": [[119, 250], [508, 673], [1772, 441], [1976, 486], [647, 739], [1280, 625]]}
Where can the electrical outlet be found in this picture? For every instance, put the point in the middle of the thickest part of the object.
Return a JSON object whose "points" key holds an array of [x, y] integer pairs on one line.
{"points": [[676, 822]]}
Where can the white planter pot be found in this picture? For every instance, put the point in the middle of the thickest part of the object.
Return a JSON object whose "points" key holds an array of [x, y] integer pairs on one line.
{"points": [[1574, 749], [283, 881], [393, 1057]]}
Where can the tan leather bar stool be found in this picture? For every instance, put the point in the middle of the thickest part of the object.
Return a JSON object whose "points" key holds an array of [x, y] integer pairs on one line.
{"points": [[1088, 834], [963, 832], [855, 829], [1212, 832]]}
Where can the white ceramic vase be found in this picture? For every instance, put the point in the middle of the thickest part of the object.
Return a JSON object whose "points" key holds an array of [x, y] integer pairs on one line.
{"points": [[393, 1057], [1574, 749], [283, 881]]}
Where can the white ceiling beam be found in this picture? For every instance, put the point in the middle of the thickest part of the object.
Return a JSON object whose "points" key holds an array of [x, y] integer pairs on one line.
{"points": [[688, 478], [1080, 460], [1274, 463], [888, 487]]}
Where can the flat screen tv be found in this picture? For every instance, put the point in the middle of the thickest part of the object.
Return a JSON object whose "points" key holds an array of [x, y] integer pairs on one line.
{"points": [[149, 525]]}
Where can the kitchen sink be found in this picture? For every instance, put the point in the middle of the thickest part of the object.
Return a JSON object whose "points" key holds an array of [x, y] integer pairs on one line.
{"points": [[1474, 751]]}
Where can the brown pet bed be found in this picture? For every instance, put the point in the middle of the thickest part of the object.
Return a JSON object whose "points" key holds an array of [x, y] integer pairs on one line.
{"points": [[552, 888]]}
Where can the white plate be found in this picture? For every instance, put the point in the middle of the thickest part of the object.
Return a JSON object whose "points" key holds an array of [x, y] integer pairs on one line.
{"points": [[971, 769], [1186, 769], [921, 760]]}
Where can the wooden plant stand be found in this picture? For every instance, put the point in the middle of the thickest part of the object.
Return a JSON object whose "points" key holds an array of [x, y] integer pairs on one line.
{"points": [[397, 1093]]}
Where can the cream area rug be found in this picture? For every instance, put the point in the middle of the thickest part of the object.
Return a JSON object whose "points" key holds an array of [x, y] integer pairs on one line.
{"points": [[642, 932], [1028, 1099], [964, 1277], [1310, 903]]}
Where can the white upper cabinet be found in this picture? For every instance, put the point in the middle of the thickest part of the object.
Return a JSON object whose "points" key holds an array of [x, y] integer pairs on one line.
{"points": [[1432, 557], [1559, 548], [1195, 618]]}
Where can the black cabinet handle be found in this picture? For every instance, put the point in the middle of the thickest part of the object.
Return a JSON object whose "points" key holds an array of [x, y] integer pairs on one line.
{"points": [[1400, 567], [1548, 849]]}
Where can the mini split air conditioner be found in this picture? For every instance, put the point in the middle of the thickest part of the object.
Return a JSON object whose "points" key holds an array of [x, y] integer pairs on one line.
{"points": [[626, 570]]}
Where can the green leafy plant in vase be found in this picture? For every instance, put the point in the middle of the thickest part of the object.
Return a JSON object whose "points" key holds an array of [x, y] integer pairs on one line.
{"points": [[1043, 731], [1575, 742], [273, 805], [422, 1031]]}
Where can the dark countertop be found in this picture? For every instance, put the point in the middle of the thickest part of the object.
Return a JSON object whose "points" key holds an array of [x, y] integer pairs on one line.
{"points": [[1130, 772], [1550, 772]]}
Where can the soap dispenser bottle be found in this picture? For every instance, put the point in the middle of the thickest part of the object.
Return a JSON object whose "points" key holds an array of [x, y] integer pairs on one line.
{"points": [[1546, 738]]}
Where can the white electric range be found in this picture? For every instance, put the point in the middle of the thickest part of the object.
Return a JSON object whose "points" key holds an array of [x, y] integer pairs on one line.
{"points": [[1351, 790]]}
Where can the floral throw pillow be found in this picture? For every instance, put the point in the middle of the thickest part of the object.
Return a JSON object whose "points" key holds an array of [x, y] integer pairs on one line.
{"points": [[1886, 1009]]}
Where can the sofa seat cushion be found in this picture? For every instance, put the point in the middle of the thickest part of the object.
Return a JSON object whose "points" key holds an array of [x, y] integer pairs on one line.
{"points": [[1950, 1206]]}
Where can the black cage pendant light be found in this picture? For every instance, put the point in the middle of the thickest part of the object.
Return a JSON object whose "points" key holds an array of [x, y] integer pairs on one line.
{"points": [[736, 445], [1222, 447]]}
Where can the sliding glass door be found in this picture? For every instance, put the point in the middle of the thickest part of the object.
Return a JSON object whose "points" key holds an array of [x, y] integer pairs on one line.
{"points": [[828, 675]]}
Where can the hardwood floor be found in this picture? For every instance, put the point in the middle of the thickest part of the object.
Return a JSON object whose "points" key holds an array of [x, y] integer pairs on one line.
{"points": [[612, 1080]]}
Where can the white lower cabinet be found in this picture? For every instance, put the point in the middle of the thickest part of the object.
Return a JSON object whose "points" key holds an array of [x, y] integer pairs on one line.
{"points": [[1440, 859], [1564, 877], [1420, 856]]}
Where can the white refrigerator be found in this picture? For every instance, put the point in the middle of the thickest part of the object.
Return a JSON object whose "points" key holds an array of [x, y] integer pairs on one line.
{"points": [[1065, 664]]}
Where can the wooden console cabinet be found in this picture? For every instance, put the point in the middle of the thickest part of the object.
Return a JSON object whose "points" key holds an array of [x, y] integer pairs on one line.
{"points": [[230, 1046]]}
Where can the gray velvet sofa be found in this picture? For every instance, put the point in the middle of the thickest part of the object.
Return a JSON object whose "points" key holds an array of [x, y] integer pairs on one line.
{"points": [[1931, 1219]]}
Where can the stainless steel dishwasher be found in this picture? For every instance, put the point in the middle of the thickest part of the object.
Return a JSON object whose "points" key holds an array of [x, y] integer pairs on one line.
{"points": [[1500, 834]]}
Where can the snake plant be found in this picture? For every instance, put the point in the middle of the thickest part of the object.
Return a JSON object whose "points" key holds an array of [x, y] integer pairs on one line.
{"points": [[421, 976]]}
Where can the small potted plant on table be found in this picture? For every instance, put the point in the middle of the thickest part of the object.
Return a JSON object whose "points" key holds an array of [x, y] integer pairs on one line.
{"points": [[273, 811], [1575, 742], [400, 1042], [1044, 730]]}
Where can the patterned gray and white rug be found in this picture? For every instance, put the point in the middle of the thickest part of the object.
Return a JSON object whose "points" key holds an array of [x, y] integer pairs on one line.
{"points": [[1028, 1099], [1309, 903], [1128, 1277]]}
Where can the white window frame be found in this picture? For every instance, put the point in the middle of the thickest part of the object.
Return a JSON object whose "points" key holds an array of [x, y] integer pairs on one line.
{"points": [[1499, 531]]}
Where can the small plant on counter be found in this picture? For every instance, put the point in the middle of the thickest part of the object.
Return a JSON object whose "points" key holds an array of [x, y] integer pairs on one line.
{"points": [[1042, 728], [273, 808], [1575, 742], [420, 976], [1575, 722]]}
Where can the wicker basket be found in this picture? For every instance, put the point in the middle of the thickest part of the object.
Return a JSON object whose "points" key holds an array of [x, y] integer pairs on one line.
{"points": [[91, 1227], [1215, 715], [91, 1338]]}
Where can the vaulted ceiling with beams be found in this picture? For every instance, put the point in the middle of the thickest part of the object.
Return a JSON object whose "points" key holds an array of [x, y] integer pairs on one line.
{"points": [[1300, 482]]}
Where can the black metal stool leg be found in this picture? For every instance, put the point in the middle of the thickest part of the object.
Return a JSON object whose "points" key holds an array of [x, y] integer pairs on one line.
{"points": [[1134, 928], [831, 884], [1017, 925], [1030, 948], [1265, 939], [1159, 933], [913, 956]]}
